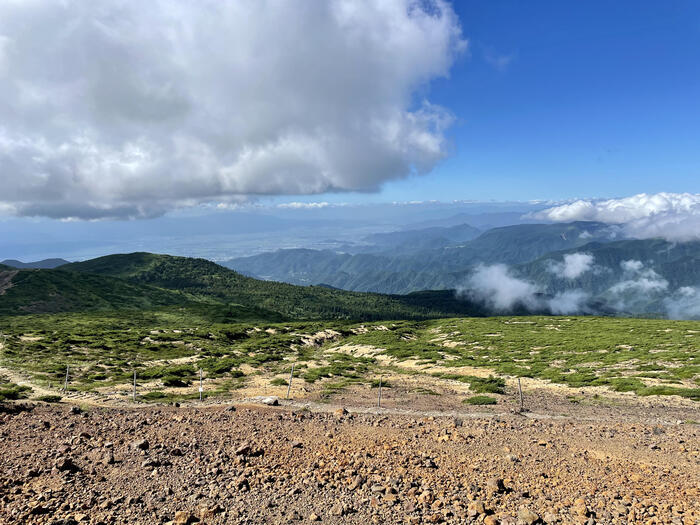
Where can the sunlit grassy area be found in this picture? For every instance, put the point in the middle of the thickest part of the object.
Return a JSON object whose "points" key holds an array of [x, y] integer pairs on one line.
{"points": [[167, 348]]}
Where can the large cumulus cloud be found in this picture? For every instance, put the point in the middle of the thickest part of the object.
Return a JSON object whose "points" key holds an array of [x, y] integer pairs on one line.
{"points": [[127, 109], [673, 216]]}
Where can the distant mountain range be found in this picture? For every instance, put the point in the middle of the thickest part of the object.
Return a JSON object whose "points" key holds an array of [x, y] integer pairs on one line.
{"points": [[609, 273], [46, 264], [393, 266]]}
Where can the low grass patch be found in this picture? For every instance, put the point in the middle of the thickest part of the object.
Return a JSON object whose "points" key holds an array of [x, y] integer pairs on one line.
{"points": [[480, 400], [11, 391], [49, 398]]}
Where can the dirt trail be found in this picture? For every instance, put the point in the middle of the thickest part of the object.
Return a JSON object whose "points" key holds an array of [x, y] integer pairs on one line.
{"points": [[87, 398], [6, 280], [21, 380]]}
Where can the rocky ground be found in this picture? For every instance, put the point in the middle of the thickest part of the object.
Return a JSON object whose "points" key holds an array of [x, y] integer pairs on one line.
{"points": [[62, 464]]}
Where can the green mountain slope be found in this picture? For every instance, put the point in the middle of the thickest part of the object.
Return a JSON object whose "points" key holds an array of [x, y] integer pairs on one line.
{"points": [[208, 281], [41, 291], [676, 263]]}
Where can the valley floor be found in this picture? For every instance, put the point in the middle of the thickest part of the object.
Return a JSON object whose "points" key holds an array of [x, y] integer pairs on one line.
{"points": [[635, 462]]}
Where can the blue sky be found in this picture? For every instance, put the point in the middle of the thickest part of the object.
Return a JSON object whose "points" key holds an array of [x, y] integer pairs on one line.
{"points": [[552, 101], [133, 111], [588, 99]]}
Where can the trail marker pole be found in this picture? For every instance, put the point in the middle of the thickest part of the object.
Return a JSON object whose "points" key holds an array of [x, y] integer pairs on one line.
{"points": [[201, 388], [134, 393], [65, 383], [379, 400], [291, 376], [520, 395]]}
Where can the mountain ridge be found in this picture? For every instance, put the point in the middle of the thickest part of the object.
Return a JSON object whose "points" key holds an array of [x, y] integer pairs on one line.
{"points": [[143, 280], [44, 264]]}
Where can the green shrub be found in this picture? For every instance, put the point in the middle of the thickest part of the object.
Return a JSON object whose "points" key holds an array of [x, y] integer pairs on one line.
{"points": [[10, 391], [480, 400], [279, 381], [627, 384], [156, 395], [691, 393], [49, 398], [174, 381], [487, 385]]}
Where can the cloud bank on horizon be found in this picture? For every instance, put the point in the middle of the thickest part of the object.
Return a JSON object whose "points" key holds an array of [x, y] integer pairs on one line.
{"points": [[672, 216], [117, 109], [501, 290]]}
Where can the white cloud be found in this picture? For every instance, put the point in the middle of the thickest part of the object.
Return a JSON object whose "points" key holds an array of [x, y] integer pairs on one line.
{"points": [[673, 216], [639, 279], [569, 302], [128, 109], [306, 205], [496, 287], [574, 265], [498, 61], [632, 266], [684, 303]]}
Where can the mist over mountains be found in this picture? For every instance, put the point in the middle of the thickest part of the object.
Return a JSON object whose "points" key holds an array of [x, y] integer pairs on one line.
{"points": [[563, 268]]}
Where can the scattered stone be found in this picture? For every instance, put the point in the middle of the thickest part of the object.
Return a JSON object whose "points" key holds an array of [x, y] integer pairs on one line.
{"points": [[65, 464], [475, 508], [495, 485], [527, 516], [243, 450], [270, 401], [580, 507], [141, 444], [184, 518]]}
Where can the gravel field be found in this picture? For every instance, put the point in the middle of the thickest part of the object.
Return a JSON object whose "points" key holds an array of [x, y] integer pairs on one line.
{"points": [[252, 463]]}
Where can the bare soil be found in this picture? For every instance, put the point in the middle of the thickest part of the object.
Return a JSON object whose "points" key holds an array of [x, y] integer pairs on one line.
{"points": [[633, 461]]}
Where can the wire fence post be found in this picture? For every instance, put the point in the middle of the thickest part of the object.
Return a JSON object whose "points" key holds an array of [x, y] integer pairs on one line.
{"points": [[520, 395], [133, 395], [65, 383], [201, 388], [379, 400], [291, 376]]}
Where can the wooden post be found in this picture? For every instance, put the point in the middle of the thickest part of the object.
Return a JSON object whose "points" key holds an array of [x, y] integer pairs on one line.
{"points": [[134, 393], [520, 395], [379, 400], [201, 388], [65, 383], [291, 376]]}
